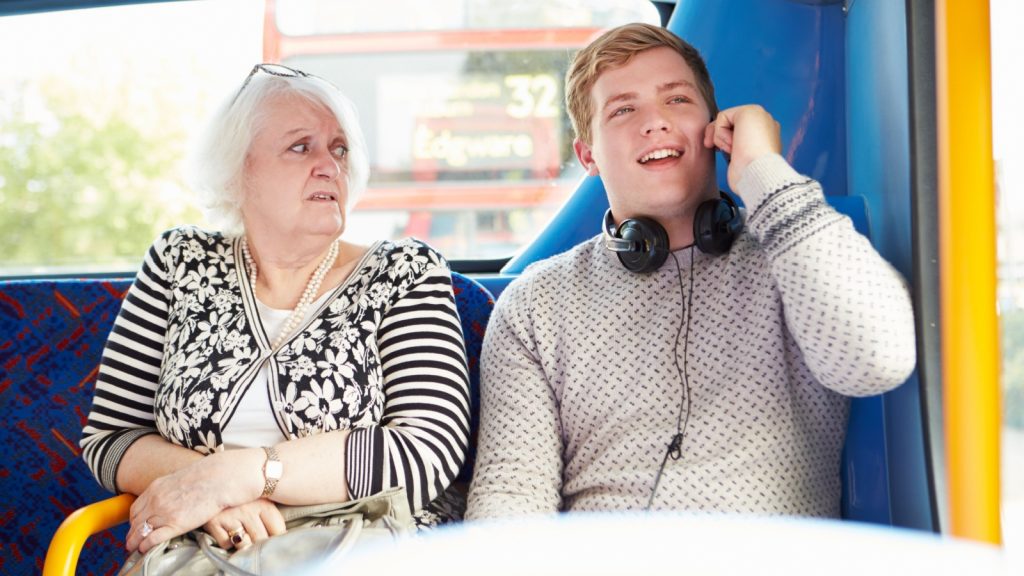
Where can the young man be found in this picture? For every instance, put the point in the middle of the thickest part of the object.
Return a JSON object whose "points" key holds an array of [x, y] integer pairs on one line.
{"points": [[715, 382]]}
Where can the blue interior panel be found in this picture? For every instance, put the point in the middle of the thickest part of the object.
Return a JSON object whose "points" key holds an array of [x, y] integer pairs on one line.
{"points": [[879, 170], [786, 56]]}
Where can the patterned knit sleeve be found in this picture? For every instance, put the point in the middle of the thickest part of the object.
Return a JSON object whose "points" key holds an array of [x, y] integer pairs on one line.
{"points": [[423, 436], [518, 468], [122, 407], [847, 308]]}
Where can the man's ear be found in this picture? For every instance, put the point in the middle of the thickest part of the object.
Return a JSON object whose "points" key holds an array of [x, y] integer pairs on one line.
{"points": [[586, 157]]}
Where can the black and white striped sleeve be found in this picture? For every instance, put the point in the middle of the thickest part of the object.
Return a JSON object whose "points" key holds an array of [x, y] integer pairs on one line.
{"points": [[422, 438], [122, 408]]}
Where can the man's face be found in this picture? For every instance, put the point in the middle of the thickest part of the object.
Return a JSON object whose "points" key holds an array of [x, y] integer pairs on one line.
{"points": [[648, 132]]}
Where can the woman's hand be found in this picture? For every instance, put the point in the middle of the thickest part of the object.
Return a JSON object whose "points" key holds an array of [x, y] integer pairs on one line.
{"points": [[240, 526], [192, 496]]}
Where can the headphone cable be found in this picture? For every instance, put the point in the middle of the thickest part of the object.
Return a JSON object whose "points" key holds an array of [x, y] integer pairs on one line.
{"points": [[675, 445]]}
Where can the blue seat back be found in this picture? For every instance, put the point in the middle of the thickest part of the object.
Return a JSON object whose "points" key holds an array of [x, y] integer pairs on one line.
{"points": [[52, 335], [474, 303]]}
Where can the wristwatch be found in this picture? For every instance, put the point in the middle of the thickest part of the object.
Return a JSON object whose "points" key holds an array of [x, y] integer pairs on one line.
{"points": [[272, 471]]}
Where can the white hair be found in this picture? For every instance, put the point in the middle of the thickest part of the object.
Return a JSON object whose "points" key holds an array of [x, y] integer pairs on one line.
{"points": [[217, 166]]}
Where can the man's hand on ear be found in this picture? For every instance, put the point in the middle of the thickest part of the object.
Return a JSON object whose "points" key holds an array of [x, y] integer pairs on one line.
{"points": [[745, 133]]}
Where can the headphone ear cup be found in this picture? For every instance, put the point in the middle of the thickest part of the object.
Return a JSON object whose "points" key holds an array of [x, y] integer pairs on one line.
{"points": [[715, 225], [653, 240]]}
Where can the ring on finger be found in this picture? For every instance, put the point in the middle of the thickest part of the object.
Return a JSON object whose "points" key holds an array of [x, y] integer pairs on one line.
{"points": [[146, 529], [237, 535]]}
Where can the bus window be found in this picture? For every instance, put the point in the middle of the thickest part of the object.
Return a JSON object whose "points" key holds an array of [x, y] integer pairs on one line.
{"points": [[461, 101], [1007, 17], [462, 104], [97, 108]]}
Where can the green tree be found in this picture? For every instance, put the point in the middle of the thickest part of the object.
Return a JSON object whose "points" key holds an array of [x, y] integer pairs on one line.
{"points": [[80, 187], [1013, 367]]}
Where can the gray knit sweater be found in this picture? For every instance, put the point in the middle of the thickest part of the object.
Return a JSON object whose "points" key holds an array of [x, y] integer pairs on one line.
{"points": [[585, 368]]}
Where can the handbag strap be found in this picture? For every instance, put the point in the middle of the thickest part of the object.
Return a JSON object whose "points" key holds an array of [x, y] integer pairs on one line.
{"points": [[338, 545], [390, 502], [205, 544]]}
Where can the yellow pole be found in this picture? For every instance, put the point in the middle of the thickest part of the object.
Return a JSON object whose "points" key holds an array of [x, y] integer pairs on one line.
{"points": [[67, 542], [967, 232]]}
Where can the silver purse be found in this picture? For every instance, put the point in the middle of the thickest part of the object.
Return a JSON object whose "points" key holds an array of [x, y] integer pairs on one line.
{"points": [[316, 534]]}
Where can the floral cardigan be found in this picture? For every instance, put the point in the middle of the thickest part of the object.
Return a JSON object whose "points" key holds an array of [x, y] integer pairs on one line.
{"points": [[382, 356]]}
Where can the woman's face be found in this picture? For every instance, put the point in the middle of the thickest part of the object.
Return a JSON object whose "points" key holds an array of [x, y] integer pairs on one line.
{"points": [[296, 171]]}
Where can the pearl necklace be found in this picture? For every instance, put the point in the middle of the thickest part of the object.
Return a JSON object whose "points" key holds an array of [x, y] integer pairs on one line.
{"points": [[308, 295]]}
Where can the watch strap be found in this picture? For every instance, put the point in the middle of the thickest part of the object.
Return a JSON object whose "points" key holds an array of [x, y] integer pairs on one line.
{"points": [[272, 471]]}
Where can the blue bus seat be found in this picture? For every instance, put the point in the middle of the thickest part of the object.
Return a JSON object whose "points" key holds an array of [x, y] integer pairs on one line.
{"points": [[52, 334], [475, 304]]}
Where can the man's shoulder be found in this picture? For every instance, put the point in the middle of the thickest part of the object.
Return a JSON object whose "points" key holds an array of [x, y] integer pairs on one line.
{"points": [[561, 267], [553, 275]]}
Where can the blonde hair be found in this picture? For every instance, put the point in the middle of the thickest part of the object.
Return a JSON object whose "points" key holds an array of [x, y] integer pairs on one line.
{"points": [[615, 48]]}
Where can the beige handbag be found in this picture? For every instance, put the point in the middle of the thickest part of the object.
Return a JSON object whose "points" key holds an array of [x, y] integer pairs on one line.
{"points": [[316, 534]]}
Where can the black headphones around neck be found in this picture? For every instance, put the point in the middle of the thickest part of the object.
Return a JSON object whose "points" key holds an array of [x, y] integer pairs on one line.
{"points": [[642, 244]]}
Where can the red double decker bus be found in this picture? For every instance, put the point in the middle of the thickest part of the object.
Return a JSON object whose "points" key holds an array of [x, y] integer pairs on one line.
{"points": [[470, 147]]}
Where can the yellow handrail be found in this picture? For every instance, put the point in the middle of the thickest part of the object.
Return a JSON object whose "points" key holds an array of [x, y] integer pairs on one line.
{"points": [[67, 542], [967, 232]]}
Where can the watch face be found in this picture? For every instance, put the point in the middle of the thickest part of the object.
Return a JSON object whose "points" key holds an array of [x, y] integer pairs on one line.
{"points": [[274, 469]]}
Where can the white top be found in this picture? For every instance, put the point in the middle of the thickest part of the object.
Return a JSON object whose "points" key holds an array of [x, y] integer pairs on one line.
{"points": [[254, 424]]}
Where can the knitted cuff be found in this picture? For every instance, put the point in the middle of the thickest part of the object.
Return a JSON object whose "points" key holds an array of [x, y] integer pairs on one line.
{"points": [[764, 177], [785, 207]]}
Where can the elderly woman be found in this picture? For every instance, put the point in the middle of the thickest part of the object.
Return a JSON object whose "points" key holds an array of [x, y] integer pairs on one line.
{"points": [[276, 362]]}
